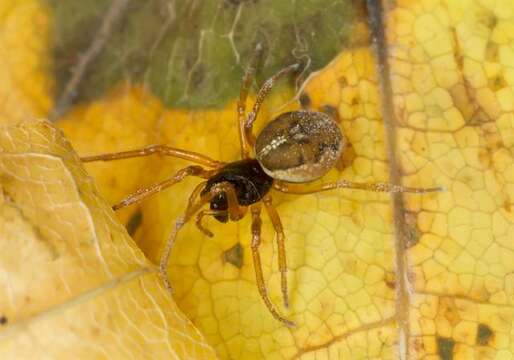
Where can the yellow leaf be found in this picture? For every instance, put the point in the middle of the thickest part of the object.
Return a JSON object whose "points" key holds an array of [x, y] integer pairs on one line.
{"points": [[451, 70], [74, 282], [26, 85], [424, 276], [355, 291], [339, 244]]}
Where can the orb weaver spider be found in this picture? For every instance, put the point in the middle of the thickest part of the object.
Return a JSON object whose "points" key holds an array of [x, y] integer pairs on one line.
{"points": [[296, 147]]}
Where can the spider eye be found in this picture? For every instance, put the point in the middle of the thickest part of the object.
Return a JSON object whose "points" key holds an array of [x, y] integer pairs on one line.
{"points": [[219, 202], [299, 146]]}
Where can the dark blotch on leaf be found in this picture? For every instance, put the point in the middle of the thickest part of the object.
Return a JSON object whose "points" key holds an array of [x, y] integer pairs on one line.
{"points": [[445, 348], [234, 255], [134, 222], [237, 2], [484, 334], [305, 100], [3, 320]]}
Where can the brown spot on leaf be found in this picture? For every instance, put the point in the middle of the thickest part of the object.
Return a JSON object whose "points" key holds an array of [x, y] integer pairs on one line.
{"points": [[134, 222], [445, 348], [484, 335], [491, 52], [449, 310], [234, 255], [488, 18], [342, 82], [305, 100], [3, 320], [478, 118], [498, 83], [390, 280]]}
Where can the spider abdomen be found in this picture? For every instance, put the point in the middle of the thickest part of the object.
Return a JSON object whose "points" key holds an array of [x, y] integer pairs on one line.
{"points": [[249, 180], [299, 146]]}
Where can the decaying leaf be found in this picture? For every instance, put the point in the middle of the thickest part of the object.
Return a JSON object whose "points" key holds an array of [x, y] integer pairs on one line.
{"points": [[73, 282]]}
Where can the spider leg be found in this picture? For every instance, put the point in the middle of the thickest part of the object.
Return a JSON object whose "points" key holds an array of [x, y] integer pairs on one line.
{"points": [[235, 211], [192, 208], [279, 230], [157, 149], [241, 104], [143, 193], [256, 241], [345, 184], [263, 92], [201, 214]]}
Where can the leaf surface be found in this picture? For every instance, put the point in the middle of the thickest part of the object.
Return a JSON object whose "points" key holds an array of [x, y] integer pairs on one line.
{"points": [[370, 276], [74, 282]]}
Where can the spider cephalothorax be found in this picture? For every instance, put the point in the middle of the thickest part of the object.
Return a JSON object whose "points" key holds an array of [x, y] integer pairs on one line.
{"points": [[249, 180], [296, 147]]}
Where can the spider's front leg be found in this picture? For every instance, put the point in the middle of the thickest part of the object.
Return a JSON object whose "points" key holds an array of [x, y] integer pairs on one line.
{"points": [[193, 206], [144, 193], [243, 95], [195, 203], [261, 96], [256, 241], [157, 149]]}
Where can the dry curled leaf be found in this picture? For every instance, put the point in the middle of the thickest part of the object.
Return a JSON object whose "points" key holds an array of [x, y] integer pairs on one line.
{"points": [[73, 281]]}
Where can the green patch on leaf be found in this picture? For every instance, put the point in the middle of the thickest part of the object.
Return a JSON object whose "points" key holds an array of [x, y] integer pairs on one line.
{"points": [[192, 53], [234, 255], [445, 348], [484, 334]]}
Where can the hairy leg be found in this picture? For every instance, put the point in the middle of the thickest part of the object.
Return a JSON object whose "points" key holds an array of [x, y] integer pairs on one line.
{"points": [[256, 241], [157, 149], [144, 193], [194, 205], [202, 213], [263, 92], [241, 104], [345, 184], [279, 230]]}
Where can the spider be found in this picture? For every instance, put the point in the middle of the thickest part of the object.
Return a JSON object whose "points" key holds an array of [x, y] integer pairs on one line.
{"points": [[296, 147]]}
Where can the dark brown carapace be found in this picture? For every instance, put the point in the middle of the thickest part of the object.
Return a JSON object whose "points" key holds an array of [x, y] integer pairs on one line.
{"points": [[249, 180], [296, 147]]}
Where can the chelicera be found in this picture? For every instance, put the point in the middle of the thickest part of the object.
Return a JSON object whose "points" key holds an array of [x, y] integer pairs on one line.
{"points": [[296, 147]]}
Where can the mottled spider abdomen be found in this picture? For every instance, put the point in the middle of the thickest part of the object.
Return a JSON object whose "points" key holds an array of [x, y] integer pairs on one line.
{"points": [[250, 183], [299, 146]]}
